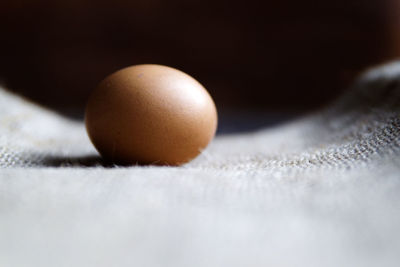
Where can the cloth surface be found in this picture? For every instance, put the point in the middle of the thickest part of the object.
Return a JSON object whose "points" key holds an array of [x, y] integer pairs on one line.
{"points": [[323, 190]]}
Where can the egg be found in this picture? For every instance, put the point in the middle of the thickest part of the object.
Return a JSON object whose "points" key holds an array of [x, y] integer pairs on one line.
{"points": [[150, 114]]}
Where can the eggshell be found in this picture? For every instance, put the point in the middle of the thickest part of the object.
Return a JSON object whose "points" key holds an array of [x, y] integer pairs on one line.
{"points": [[150, 114]]}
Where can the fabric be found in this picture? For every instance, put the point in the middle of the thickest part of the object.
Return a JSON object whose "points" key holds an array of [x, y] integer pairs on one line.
{"points": [[323, 190]]}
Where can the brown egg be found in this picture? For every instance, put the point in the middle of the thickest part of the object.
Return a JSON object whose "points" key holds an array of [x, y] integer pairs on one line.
{"points": [[150, 114]]}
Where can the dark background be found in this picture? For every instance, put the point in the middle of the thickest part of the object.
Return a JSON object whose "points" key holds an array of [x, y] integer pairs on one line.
{"points": [[269, 55]]}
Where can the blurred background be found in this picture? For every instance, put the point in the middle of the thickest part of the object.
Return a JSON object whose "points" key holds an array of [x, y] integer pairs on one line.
{"points": [[276, 57]]}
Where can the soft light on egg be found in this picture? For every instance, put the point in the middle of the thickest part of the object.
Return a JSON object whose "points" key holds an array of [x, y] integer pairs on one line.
{"points": [[150, 114]]}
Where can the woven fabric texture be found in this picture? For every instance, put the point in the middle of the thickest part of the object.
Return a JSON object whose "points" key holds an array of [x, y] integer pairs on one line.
{"points": [[323, 190]]}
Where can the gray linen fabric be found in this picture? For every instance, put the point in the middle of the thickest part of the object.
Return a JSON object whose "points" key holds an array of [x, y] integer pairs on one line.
{"points": [[323, 190]]}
